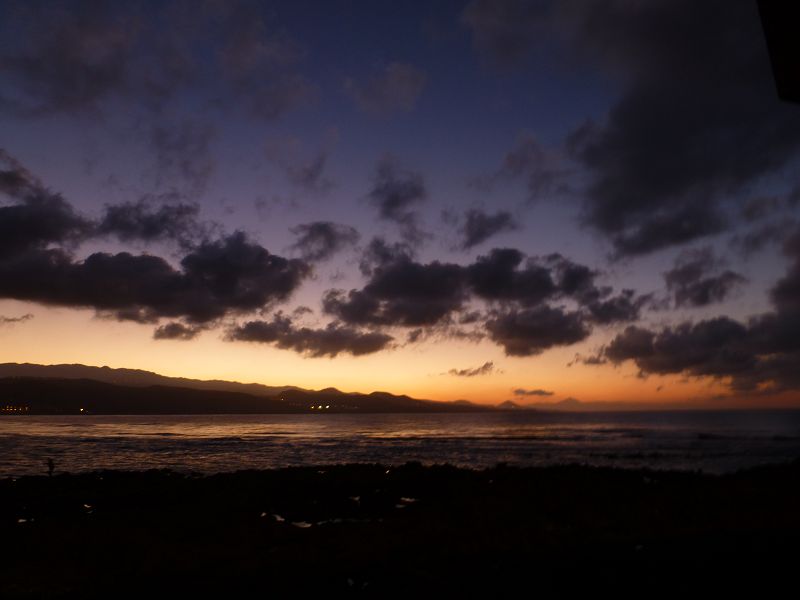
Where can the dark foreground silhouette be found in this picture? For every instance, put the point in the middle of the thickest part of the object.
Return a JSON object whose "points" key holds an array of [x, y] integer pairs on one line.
{"points": [[779, 20], [413, 531]]}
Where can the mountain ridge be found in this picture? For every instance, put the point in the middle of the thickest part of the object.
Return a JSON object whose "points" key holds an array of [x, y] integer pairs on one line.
{"points": [[133, 377], [43, 389]]}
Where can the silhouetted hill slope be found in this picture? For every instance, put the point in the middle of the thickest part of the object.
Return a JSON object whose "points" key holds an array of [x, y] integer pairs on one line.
{"points": [[374, 402], [134, 377], [75, 396], [69, 396]]}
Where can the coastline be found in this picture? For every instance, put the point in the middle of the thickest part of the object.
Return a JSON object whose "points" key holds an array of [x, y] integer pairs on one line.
{"points": [[387, 531]]}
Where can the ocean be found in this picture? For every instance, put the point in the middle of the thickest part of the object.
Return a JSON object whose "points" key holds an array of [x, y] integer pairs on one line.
{"points": [[713, 442]]}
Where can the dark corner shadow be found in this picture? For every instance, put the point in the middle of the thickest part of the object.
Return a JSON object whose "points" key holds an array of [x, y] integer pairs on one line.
{"points": [[781, 21]]}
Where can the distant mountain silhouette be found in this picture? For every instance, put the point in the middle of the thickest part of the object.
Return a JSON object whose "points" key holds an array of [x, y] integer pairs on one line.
{"points": [[463, 402], [75, 396], [509, 405], [49, 393], [134, 378], [374, 402]]}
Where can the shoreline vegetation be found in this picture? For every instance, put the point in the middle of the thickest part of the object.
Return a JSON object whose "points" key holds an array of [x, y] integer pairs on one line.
{"points": [[371, 530]]}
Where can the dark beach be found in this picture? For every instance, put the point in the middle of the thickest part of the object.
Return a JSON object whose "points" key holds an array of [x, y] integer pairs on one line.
{"points": [[378, 531]]}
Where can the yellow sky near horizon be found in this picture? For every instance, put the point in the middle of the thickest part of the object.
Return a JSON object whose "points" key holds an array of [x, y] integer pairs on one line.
{"points": [[56, 335]]}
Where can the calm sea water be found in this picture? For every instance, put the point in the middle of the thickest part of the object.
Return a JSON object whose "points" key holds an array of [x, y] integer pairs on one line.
{"points": [[708, 441]]}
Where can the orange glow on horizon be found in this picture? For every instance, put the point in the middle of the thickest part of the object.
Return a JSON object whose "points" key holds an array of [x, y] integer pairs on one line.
{"points": [[57, 336]]}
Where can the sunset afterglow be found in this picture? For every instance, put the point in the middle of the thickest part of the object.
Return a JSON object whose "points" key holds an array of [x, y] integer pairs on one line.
{"points": [[467, 203]]}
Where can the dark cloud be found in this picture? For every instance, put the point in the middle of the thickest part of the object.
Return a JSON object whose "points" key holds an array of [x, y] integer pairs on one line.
{"points": [[415, 335], [632, 343], [241, 274], [697, 123], [668, 227], [485, 369], [80, 57], [592, 359], [261, 64], [497, 276], [575, 280], [231, 275], [183, 154], [436, 296], [401, 292], [505, 31], [38, 220], [757, 238], [539, 167], [761, 207], [175, 331], [306, 172], [310, 176], [501, 276], [138, 285], [761, 354], [696, 279], [320, 240], [12, 181], [379, 252], [396, 193], [479, 226], [148, 221], [768, 220], [15, 180], [330, 341], [624, 307], [254, 48], [786, 293], [396, 89], [37, 217], [524, 392], [470, 317], [531, 331], [302, 310], [716, 347], [68, 60], [449, 329], [13, 320]]}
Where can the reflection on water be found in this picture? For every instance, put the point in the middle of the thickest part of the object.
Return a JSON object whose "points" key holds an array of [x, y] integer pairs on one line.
{"points": [[710, 441]]}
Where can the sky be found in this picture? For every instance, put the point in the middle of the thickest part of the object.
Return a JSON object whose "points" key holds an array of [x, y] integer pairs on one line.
{"points": [[484, 200]]}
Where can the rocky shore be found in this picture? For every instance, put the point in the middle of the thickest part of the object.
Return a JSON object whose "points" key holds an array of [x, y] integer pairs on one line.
{"points": [[369, 530]]}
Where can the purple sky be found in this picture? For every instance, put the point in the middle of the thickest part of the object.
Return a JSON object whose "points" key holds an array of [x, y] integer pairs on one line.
{"points": [[440, 185]]}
